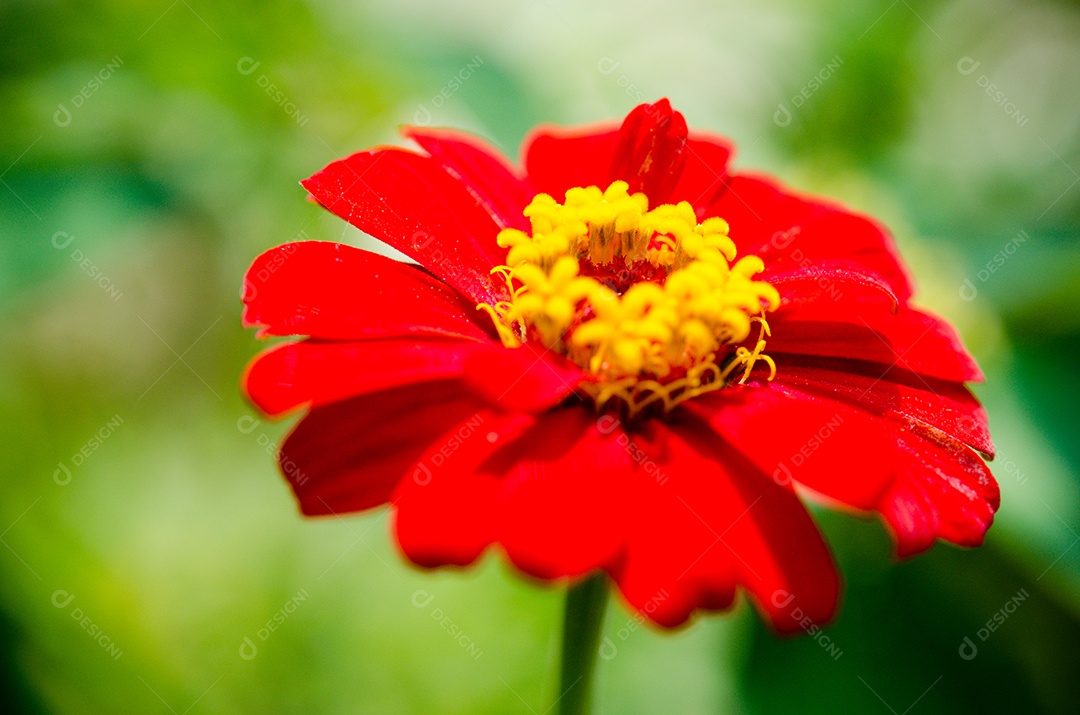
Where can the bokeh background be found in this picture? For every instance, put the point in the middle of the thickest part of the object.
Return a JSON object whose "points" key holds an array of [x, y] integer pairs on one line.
{"points": [[153, 559]]}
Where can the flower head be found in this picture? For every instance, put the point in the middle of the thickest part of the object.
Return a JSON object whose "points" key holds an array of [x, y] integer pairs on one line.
{"points": [[645, 302], [622, 357]]}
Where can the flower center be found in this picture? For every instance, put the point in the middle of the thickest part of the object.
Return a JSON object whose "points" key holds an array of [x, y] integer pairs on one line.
{"points": [[647, 302]]}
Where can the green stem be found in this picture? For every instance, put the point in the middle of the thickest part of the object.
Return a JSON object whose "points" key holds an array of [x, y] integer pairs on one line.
{"points": [[584, 616]]}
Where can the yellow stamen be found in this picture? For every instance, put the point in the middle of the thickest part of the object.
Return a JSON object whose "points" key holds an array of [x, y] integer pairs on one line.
{"points": [[668, 336]]}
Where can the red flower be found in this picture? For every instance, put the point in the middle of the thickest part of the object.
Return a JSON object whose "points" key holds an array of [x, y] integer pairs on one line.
{"points": [[637, 392]]}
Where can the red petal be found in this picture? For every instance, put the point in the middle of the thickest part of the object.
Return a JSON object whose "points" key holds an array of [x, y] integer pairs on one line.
{"points": [[911, 340], [560, 159], [410, 203], [315, 372], [563, 494], [925, 484], [713, 523], [448, 512], [831, 290], [333, 291], [563, 490], [827, 445], [788, 231], [528, 378], [489, 178], [650, 151], [705, 171], [899, 394], [943, 490], [550, 488], [350, 455]]}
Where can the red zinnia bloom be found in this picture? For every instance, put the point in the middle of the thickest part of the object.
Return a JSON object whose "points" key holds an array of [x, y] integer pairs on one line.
{"points": [[622, 357]]}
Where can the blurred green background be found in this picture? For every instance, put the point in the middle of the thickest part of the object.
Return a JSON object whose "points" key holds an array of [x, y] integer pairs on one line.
{"points": [[154, 561]]}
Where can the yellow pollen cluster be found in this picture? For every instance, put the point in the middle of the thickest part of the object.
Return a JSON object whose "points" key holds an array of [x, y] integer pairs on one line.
{"points": [[647, 302]]}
